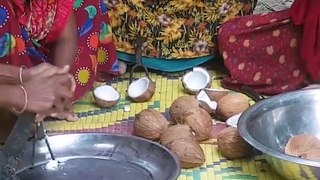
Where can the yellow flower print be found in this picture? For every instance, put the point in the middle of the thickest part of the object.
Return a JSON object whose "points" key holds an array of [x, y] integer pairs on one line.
{"points": [[196, 36], [115, 22], [199, 4], [176, 23], [116, 12], [182, 54], [233, 12], [137, 29], [125, 47], [184, 5], [122, 8], [210, 14], [171, 32], [169, 35], [137, 3], [151, 18], [175, 28], [179, 5]]}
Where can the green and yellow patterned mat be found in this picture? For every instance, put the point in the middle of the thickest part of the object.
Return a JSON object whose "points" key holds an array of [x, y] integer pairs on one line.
{"points": [[169, 87]]}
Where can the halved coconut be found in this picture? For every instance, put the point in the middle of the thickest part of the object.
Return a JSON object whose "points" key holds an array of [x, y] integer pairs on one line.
{"points": [[216, 94], [141, 90], [206, 103], [196, 80], [106, 96], [233, 120]]}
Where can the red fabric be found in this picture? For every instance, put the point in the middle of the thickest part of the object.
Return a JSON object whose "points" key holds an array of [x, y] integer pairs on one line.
{"points": [[307, 14], [45, 19], [261, 51], [96, 57], [64, 9]]}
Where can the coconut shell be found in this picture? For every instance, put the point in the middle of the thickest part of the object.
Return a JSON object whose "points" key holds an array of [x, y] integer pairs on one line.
{"points": [[216, 95], [175, 133], [193, 92], [150, 124], [232, 104], [231, 145], [304, 146], [200, 122], [102, 102], [180, 106], [188, 152], [204, 105], [147, 95], [105, 104]]}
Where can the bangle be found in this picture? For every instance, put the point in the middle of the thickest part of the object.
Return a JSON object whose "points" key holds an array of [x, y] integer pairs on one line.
{"points": [[25, 102], [20, 74]]}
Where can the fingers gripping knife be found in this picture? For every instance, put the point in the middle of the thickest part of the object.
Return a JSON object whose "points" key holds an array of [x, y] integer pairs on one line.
{"points": [[13, 151]]}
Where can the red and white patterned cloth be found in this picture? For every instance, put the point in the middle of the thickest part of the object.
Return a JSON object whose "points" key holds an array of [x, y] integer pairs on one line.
{"points": [[44, 19], [262, 51]]}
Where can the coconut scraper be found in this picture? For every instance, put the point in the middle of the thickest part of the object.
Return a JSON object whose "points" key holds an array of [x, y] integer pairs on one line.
{"points": [[138, 57]]}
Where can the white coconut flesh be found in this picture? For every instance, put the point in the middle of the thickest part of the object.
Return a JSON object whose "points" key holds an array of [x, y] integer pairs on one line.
{"points": [[138, 87], [203, 96], [106, 93], [196, 79], [233, 120]]}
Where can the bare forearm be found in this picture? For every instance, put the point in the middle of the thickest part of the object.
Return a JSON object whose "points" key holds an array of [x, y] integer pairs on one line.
{"points": [[12, 96], [66, 46], [9, 74], [65, 53]]}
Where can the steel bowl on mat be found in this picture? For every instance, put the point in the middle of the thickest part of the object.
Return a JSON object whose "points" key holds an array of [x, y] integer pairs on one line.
{"points": [[100, 156], [270, 123]]}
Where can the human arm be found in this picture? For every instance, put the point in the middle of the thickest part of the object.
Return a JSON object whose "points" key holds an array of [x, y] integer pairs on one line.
{"points": [[43, 94], [12, 96], [48, 88], [9, 74], [65, 47]]}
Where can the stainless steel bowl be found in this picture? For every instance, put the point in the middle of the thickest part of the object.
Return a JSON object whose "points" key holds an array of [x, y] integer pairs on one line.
{"points": [[269, 124], [100, 156]]}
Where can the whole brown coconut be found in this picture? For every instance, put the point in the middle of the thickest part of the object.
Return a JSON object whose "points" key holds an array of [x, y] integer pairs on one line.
{"points": [[188, 152], [175, 133], [150, 124], [216, 95], [200, 122], [231, 145], [304, 146], [232, 104], [180, 106]]}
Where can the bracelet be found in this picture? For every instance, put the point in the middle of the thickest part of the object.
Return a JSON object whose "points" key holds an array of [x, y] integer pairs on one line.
{"points": [[20, 74], [25, 101]]}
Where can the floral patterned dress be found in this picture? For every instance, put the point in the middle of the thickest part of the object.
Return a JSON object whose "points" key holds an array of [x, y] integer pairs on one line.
{"points": [[175, 29], [25, 35]]}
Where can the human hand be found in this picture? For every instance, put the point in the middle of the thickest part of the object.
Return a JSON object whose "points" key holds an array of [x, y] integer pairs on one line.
{"points": [[67, 114], [48, 94], [46, 70]]}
